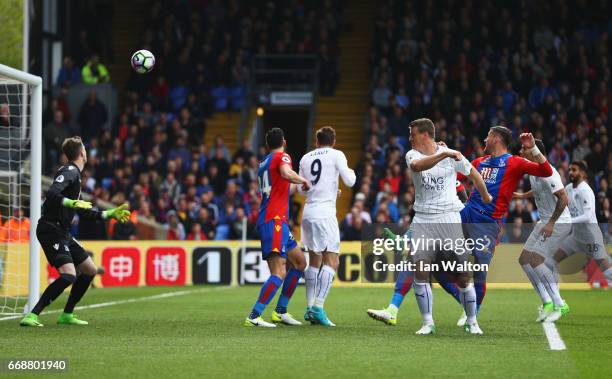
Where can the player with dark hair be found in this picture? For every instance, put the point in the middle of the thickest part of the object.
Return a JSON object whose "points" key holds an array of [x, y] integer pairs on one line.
{"points": [[64, 252], [501, 172], [586, 236], [326, 136], [554, 225], [437, 217], [319, 232], [405, 279], [278, 247]]}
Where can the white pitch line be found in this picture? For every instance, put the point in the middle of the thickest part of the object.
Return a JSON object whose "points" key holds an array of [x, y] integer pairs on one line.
{"points": [[131, 300], [554, 338]]}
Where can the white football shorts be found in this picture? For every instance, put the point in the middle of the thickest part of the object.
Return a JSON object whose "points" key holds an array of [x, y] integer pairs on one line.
{"points": [[321, 234]]}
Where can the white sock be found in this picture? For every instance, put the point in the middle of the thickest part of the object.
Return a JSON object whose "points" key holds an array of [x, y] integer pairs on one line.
{"points": [[324, 283], [547, 278], [537, 283], [310, 276], [424, 297], [468, 300], [608, 275], [554, 267]]}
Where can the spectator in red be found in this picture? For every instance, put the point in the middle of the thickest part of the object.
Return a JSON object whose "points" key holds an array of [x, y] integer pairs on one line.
{"points": [[160, 90], [196, 233], [392, 178]]}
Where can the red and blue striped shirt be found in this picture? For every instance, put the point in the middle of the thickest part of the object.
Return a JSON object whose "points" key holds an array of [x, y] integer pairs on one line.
{"points": [[274, 188], [501, 176]]}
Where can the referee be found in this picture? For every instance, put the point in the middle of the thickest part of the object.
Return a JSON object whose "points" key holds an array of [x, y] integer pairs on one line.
{"points": [[63, 252]]}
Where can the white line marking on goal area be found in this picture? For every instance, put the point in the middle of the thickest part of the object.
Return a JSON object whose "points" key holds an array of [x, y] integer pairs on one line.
{"points": [[554, 338], [131, 300]]}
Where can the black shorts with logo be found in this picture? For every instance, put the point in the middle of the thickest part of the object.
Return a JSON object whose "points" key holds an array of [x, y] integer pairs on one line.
{"points": [[59, 246]]}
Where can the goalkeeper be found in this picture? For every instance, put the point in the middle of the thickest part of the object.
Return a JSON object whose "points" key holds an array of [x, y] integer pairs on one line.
{"points": [[63, 252]]}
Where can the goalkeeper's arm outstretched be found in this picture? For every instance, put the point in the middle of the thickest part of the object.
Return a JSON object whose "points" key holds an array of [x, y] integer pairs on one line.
{"points": [[63, 252]]}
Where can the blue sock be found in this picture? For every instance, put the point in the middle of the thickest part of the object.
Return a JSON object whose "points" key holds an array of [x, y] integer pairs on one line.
{"points": [[480, 285], [289, 285], [402, 287], [268, 290], [449, 286], [480, 277]]}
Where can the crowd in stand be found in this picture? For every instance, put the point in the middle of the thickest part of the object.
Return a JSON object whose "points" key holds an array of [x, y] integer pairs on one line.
{"points": [[153, 156], [205, 49], [541, 67], [467, 66]]}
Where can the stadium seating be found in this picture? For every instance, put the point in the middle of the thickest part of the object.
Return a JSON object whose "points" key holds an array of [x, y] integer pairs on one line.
{"points": [[162, 148], [456, 63]]}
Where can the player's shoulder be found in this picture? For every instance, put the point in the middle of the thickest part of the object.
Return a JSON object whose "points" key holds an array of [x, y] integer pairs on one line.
{"points": [[325, 151], [516, 161], [338, 154], [553, 180], [584, 187], [311, 155], [514, 158], [413, 153], [281, 156], [67, 171], [306, 157], [555, 174], [478, 160]]}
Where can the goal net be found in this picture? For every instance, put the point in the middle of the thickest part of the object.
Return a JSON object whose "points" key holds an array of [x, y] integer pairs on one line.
{"points": [[20, 197]]}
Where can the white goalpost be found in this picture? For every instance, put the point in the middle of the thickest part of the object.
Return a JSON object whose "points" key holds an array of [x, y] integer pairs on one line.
{"points": [[20, 189]]}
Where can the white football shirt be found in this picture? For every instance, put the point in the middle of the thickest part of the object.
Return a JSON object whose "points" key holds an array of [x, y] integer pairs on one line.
{"points": [[435, 189], [322, 167], [581, 203], [543, 193]]}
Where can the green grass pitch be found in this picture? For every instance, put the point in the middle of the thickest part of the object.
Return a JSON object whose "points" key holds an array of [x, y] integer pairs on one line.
{"points": [[200, 334]]}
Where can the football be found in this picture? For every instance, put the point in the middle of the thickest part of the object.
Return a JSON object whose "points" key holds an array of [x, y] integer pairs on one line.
{"points": [[143, 61]]}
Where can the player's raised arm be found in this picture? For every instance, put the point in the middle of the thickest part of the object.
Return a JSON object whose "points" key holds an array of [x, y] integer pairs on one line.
{"points": [[427, 162], [347, 174], [540, 165]]}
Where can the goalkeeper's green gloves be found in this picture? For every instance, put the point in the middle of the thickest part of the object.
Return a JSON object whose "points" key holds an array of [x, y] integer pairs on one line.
{"points": [[76, 204], [121, 213]]}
